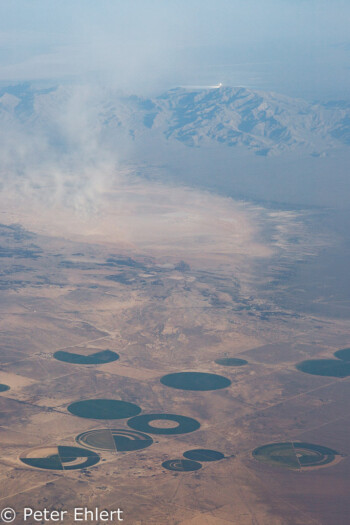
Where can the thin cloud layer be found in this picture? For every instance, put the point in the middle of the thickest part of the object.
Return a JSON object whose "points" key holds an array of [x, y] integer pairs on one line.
{"points": [[56, 154], [297, 47]]}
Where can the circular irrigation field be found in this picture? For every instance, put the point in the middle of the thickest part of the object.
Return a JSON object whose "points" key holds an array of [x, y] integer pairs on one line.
{"points": [[104, 409], [325, 367], [183, 424], [98, 358], [343, 354], [60, 458], [231, 361], [203, 454], [295, 455], [181, 465], [195, 381], [114, 440]]}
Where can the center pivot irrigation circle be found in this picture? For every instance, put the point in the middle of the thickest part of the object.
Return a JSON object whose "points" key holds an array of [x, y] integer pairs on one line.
{"points": [[181, 465], [114, 440], [195, 381], [104, 409], [230, 361], [60, 458], [203, 454], [325, 367], [97, 358], [144, 424], [343, 354], [295, 455]]}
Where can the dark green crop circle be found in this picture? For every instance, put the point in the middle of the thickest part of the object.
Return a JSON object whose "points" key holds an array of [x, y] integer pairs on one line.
{"points": [[98, 358], [343, 354], [295, 455], [143, 423], [195, 381], [60, 458], [231, 361], [115, 439], [181, 465], [203, 454], [325, 367], [103, 409]]}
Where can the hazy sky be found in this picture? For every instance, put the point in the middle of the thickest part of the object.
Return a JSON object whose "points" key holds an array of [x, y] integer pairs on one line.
{"points": [[299, 47]]}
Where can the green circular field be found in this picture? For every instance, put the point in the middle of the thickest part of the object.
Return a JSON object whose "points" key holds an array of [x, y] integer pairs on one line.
{"points": [[203, 454], [60, 458], [98, 358], [295, 455], [103, 409], [343, 354], [181, 465], [184, 424], [4, 388], [114, 440], [195, 381], [231, 361], [325, 367]]}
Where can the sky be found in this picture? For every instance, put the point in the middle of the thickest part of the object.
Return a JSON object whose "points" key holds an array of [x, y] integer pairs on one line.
{"points": [[297, 47]]}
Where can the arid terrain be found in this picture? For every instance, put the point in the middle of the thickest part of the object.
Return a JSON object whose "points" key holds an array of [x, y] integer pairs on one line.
{"points": [[171, 281], [174, 262]]}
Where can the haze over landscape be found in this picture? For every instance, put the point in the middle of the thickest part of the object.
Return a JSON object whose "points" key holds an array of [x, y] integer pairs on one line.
{"points": [[174, 246]]}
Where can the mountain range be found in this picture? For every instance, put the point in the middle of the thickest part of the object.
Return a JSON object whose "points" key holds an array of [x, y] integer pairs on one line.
{"points": [[263, 122]]}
